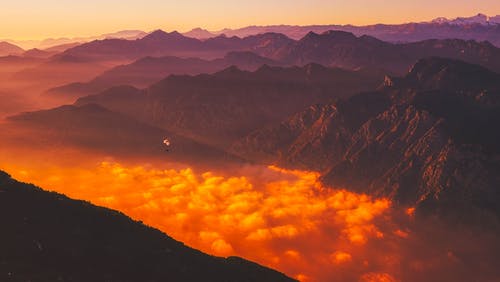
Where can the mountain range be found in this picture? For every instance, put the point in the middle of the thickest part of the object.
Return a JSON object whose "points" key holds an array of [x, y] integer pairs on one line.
{"points": [[405, 116], [331, 48], [478, 19], [141, 62], [430, 134], [220, 107], [479, 27], [148, 70], [420, 128]]}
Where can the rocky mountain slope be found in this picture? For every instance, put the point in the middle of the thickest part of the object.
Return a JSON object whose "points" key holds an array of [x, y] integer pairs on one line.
{"points": [[426, 136], [220, 108]]}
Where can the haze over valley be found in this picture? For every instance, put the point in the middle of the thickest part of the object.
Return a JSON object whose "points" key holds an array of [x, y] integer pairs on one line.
{"points": [[299, 151]]}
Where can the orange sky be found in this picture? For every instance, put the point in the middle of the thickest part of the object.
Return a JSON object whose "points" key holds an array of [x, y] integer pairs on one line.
{"points": [[39, 19]]}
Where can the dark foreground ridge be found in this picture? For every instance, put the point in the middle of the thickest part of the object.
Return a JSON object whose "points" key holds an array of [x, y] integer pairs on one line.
{"points": [[49, 237]]}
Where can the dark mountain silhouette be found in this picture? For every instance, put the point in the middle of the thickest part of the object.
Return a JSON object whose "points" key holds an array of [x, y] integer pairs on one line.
{"points": [[7, 49], [331, 48], [148, 70], [231, 103], [426, 136], [95, 128], [84, 61], [160, 43], [343, 49], [49, 237]]}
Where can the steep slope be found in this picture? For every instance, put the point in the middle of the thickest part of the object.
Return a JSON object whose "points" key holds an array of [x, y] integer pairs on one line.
{"points": [[229, 104], [426, 136], [53, 238]]}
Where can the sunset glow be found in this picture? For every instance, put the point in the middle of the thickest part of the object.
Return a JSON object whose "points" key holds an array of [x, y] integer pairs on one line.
{"points": [[291, 223], [43, 19], [250, 141]]}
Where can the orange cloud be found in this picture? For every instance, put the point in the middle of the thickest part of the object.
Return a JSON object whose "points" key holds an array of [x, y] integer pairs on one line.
{"points": [[291, 222]]}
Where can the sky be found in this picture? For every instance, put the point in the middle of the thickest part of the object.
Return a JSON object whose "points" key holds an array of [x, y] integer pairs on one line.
{"points": [[39, 19]]}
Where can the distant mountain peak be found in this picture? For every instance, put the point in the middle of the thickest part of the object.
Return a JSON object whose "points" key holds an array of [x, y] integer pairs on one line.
{"points": [[7, 48], [162, 35], [480, 18], [199, 33]]}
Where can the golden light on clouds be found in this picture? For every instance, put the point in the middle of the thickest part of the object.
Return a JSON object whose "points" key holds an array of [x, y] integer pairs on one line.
{"points": [[291, 223]]}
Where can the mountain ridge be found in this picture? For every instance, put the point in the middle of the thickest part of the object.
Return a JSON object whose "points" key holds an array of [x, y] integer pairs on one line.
{"points": [[421, 130]]}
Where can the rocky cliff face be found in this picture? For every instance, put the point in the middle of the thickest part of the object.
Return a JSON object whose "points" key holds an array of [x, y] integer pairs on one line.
{"points": [[423, 137]]}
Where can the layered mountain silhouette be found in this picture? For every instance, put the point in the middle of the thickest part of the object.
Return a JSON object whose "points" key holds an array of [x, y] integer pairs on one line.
{"points": [[331, 48], [95, 128], [229, 104], [148, 70], [423, 137], [49, 237], [160, 43], [343, 49]]}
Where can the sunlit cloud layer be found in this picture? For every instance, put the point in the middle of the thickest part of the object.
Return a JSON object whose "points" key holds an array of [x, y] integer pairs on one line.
{"points": [[290, 223]]}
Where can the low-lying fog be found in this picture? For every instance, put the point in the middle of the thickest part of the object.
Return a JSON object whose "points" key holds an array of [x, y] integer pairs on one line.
{"points": [[283, 219]]}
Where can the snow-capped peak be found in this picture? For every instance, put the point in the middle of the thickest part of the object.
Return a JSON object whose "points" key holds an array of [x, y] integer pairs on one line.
{"points": [[477, 19]]}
